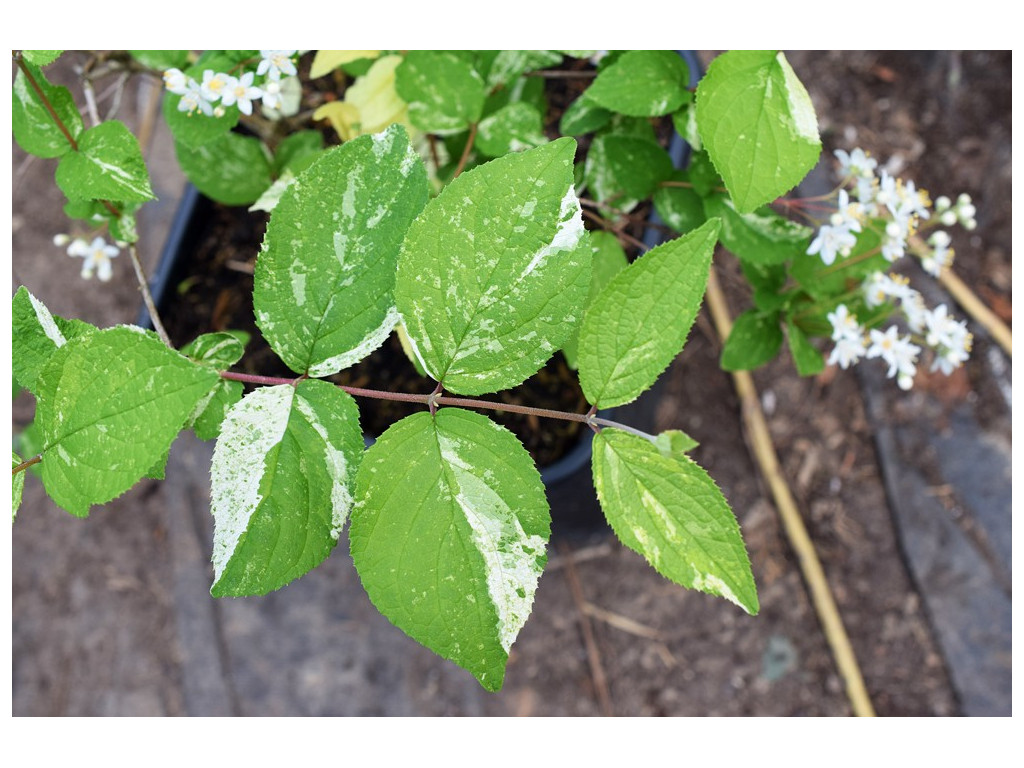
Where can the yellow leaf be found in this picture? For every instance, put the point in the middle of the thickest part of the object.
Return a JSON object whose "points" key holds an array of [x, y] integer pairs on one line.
{"points": [[328, 61], [376, 99], [344, 118]]}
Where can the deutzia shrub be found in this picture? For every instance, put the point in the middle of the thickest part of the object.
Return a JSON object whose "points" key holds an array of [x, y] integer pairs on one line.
{"points": [[429, 196]]}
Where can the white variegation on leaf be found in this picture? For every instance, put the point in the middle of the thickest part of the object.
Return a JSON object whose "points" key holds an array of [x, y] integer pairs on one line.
{"points": [[664, 506], [494, 272], [325, 277], [107, 165], [281, 483], [449, 535], [757, 123]]}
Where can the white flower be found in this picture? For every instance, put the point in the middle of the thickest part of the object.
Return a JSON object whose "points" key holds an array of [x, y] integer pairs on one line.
{"points": [[951, 359], [913, 202], [176, 81], [886, 194], [832, 241], [847, 214], [272, 94], [940, 256], [915, 311], [942, 330], [895, 242], [97, 255], [193, 99], [276, 63], [856, 163], [214, 85], [844, 325], [847, 351], [240, 90], [878, 287], [899, 353], [865, 193]]}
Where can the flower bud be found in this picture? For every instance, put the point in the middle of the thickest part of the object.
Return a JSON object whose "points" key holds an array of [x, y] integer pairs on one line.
{"points": [[61, 240], [948, 218], [942, 203]]}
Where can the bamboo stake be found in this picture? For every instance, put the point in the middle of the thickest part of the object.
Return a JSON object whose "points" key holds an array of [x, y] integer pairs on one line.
{"points": [[764, 452]]}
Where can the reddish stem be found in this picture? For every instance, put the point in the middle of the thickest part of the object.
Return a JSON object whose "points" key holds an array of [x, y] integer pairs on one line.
{"points": [[25, 465]]}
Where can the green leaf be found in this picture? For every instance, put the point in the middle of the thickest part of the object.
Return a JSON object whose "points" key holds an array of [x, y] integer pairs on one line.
{"points": [[34, 127], [449, 535], [17, 485], [110, 404], [218, 350], [281, 484], [195, 129], [702, 174], [29, 442], [680, 207], [808, 360], [674, 443], [444, 92], [41, 58], [754, 340], [233, 169], [528, 90], [621, 170], [36, 336], [297, 152], [642, 84], [509, 65], [670, 511], [513, 128], [758, 124], [208, 416], [583, 116], [491, 278], [761, 236], [640, 321], [326, 274], [767, 280], [608, 260], [161, 60], [108, 165]]}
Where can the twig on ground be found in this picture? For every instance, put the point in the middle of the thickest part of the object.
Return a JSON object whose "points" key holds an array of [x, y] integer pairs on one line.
{"points": [[604, 698], [621, 622]]}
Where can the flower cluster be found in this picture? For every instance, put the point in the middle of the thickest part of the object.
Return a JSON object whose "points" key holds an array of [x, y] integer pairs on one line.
{"points": [[948, 338], [219, 89], [895, 210], [896, 207], [97, 254]]}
